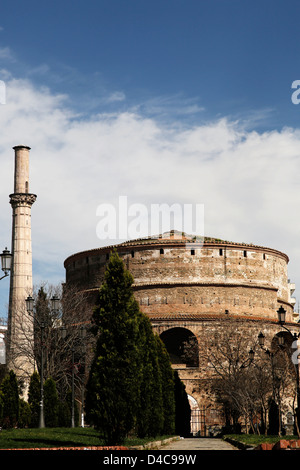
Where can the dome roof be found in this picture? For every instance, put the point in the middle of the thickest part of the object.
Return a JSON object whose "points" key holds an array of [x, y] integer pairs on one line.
{"points": [[177, 238]]}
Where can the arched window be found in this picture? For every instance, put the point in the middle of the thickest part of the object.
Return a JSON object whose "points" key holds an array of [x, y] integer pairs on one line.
{"points": [[182, 346]]}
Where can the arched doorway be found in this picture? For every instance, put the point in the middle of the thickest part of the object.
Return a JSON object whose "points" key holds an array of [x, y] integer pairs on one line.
{"points": [[182, 346], [195, 416]]}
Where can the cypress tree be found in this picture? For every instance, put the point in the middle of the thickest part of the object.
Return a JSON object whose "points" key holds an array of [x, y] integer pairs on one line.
{"points": [[182, 408], [64, 414], [150, 415], [50, 403], [24, 414], [113, 385], [168, 384], [34, 398], [10, 397]]}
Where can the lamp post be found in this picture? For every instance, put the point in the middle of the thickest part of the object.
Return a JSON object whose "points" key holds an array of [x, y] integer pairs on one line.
{"points": [[30, 309], [6, 258], [251, 355], [55, 303], [281, 315]]}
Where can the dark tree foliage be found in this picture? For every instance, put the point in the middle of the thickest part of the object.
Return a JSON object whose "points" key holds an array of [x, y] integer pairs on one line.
{"points": [[183, 410], [113, 386], [150, 415], [24, 414], [10, 397], [168, 391], [50, 403], [57, 412], [64, 414], [42, 317], [34, 398], [273, 418], [130, 382]]}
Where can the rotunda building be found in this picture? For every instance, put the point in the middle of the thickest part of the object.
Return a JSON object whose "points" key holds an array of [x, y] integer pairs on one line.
{"points": [[190, 289]]}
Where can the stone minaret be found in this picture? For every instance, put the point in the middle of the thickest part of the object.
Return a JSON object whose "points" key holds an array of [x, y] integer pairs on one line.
{"points": [[20, 324]]}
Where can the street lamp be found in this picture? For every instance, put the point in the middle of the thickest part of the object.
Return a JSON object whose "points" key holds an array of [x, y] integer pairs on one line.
{"points": [[55, 303], [281, 315], [281, 320], [261, 339], [251, 355], [6, 257], [29, 304]]}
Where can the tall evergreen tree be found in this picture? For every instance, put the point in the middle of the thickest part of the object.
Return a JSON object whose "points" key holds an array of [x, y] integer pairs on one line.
{"points": [[150, 417], [10, 397], [182, 408], [113, 386], [131, 383], [34, 398], [168, 391], [50, 403], [24, 420]]}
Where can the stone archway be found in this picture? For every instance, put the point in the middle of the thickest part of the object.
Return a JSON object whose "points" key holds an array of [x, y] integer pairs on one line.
{"points": [[182, 346], [196, 417]]}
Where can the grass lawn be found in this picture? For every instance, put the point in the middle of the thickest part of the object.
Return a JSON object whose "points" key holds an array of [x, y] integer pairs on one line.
{"points": [[255, 439], [56, 437]]}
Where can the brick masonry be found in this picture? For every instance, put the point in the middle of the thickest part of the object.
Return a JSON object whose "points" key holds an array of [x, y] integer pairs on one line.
{"points": [[282, 444], [196, 288]]}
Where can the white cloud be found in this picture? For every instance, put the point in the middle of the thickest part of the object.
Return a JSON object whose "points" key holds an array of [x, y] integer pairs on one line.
{"points": [[116, 96], [248, 182], [177, 106], [6, 53]]}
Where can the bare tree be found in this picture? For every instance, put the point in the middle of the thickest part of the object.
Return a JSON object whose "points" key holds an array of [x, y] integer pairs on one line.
{"points": [[60, 335], [246, 384]]}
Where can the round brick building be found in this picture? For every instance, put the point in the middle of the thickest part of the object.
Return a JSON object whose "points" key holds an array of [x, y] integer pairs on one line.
{"points": [[189, 289]]}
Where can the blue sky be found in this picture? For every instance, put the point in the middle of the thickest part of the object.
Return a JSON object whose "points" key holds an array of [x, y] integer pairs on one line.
{"points": [[163, 101], [230, 57]]}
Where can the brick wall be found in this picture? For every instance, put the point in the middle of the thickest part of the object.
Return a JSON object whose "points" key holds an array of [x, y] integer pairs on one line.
{"points": [[197, 289]]}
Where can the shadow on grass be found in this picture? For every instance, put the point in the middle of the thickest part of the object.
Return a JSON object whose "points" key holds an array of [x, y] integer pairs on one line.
{"points": [[47, 437], [35, 442]]}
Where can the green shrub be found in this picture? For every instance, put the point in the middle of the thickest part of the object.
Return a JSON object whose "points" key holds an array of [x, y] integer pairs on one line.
{"points": [[24, 414], [50, 403], [10, 397]]}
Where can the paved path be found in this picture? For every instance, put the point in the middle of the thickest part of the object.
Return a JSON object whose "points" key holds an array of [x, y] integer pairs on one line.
{"points": [[199, 444]]}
